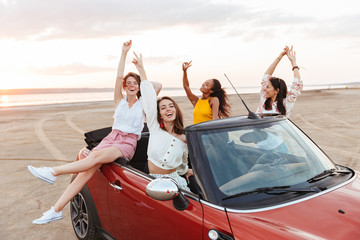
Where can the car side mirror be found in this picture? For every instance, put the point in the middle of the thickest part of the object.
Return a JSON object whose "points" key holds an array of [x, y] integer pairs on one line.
{"points": [[165, 189]]}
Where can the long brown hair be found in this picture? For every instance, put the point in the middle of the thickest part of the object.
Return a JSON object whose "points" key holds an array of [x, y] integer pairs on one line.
{"points": [[137, 78], [224, 106], [178, 122]]}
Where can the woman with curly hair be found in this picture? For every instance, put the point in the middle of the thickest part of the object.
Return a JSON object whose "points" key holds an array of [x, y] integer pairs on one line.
{"points": [[213, 103]]}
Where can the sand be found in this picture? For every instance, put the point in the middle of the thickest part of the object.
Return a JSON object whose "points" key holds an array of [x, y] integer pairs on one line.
{"points": [[49, 135]]}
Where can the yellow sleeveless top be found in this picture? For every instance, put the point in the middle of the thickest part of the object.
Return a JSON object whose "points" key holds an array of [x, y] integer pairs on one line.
{"points": [[202, 111]]}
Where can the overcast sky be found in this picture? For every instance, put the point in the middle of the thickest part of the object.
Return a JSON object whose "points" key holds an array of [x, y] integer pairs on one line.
{"points": [[77, 43]]}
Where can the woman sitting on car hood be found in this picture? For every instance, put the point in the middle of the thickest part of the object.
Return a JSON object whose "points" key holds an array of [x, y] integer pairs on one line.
{"points": [[121, 142]]}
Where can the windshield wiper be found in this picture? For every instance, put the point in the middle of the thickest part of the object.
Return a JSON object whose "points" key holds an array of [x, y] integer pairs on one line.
{"points": [[327, 173], [269, 190]]}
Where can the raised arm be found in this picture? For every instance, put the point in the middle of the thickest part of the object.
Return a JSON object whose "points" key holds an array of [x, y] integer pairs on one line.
{"points": [[297, 85], [157, 87], [292, 57], [120, 73], [273, 65], [193, 99], [148, 95]]}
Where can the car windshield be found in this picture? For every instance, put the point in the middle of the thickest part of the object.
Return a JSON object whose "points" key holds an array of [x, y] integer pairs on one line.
{"points": [[266, 155]]}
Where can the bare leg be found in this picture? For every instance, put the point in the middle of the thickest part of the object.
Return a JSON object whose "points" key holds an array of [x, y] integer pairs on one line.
{"points": [[102, 156], [75, 187]]}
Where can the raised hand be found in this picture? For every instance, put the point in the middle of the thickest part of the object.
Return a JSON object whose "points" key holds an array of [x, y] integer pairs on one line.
{"points": [[284, 51], [126, 46], [137, 60], [292, 56], [186, 65], [273, 65]]}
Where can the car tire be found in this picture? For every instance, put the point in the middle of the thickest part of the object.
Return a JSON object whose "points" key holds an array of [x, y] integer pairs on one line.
{"points": [[83, 215]]}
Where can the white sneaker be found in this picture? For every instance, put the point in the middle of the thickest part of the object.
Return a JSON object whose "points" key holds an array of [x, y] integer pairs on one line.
{"points": [[49, 216], [43, 173]]}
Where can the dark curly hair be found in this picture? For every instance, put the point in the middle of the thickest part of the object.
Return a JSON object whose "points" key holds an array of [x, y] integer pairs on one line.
{"points": [[280, 84], [137, 78], [224, 106], [178, 122]]}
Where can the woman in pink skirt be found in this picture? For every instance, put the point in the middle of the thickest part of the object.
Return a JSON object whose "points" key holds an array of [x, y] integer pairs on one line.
{"points": [[121, 142]]}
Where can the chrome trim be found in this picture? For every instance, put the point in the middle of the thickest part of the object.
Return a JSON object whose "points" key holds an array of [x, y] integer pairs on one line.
{"points": [[115, 186], [212, 205], [293, 202], [191, 195], [134, 171]]}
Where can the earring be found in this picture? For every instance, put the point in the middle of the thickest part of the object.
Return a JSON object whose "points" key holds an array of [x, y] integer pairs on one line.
{"points": [[161, 123]]}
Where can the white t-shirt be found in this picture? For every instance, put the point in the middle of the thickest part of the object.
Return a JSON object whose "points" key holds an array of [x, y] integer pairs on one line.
{"points": [[129, 120]]}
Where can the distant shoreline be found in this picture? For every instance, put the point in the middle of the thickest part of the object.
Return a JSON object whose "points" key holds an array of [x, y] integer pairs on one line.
{"points": [[86, 103], [90, 90]]}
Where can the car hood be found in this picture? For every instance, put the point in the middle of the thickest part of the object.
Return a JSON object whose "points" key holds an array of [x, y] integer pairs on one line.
{"points": [[333, 215]]}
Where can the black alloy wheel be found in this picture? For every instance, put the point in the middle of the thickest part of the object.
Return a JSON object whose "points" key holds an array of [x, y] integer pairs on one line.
{"points": [[79, 215], [83, 215]]}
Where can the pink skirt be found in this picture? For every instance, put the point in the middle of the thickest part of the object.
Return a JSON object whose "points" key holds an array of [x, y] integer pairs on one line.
{"points": [[126, 142]]}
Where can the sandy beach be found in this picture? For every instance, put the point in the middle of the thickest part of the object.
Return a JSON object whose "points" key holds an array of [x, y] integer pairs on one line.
{"points": [[49, 135]]}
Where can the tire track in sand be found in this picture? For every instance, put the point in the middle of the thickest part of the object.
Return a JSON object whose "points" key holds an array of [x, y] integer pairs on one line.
{"points": [[70, 123], [39, 131], [353, 156], [343, 123], [70, 116], [47, 143], [324, 129]]}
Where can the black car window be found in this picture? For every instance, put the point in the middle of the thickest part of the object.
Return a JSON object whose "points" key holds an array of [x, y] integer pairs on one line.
{"points": [[266, 155]]}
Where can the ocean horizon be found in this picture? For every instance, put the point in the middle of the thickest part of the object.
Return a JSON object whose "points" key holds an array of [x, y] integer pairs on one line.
{"points": [[44, 96]]}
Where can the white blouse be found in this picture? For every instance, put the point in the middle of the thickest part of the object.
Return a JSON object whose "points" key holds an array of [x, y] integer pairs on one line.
{"points": [[129, 120], [289, 101], [164, 150]]}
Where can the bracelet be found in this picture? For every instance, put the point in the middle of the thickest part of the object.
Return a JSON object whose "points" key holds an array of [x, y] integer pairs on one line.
{"points": [[295, 67], [278, 59]]}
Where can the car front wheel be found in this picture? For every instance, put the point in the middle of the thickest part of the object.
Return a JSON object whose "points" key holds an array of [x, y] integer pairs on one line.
{"points": [[83, 215]]}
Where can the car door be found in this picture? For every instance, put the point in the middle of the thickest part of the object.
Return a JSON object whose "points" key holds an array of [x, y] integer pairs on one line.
{"points": [[135, 215]]}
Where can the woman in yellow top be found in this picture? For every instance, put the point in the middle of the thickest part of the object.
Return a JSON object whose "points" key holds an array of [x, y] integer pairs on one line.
{"points": [[213, 103]]}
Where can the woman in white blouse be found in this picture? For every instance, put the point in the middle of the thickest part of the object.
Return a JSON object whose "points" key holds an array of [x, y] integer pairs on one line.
{"points": [[121, 142], [274, 97], [167, 149]]}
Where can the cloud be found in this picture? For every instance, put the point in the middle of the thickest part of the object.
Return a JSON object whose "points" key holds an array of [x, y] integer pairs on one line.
{"points": [[161, 59], [338, 27], [68, 19], [69, 70], [79, 68], [97, 19]]}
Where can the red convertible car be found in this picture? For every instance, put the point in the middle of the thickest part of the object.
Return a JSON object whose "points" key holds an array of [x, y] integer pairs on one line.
{"points": [[259, 178]]}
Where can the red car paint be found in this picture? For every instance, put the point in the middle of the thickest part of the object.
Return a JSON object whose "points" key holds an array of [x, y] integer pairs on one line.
{"points": [[320, 217], [127, 212]]}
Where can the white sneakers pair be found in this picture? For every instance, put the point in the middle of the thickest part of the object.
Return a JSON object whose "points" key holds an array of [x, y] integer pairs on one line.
{"points": [[46, 174]]}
